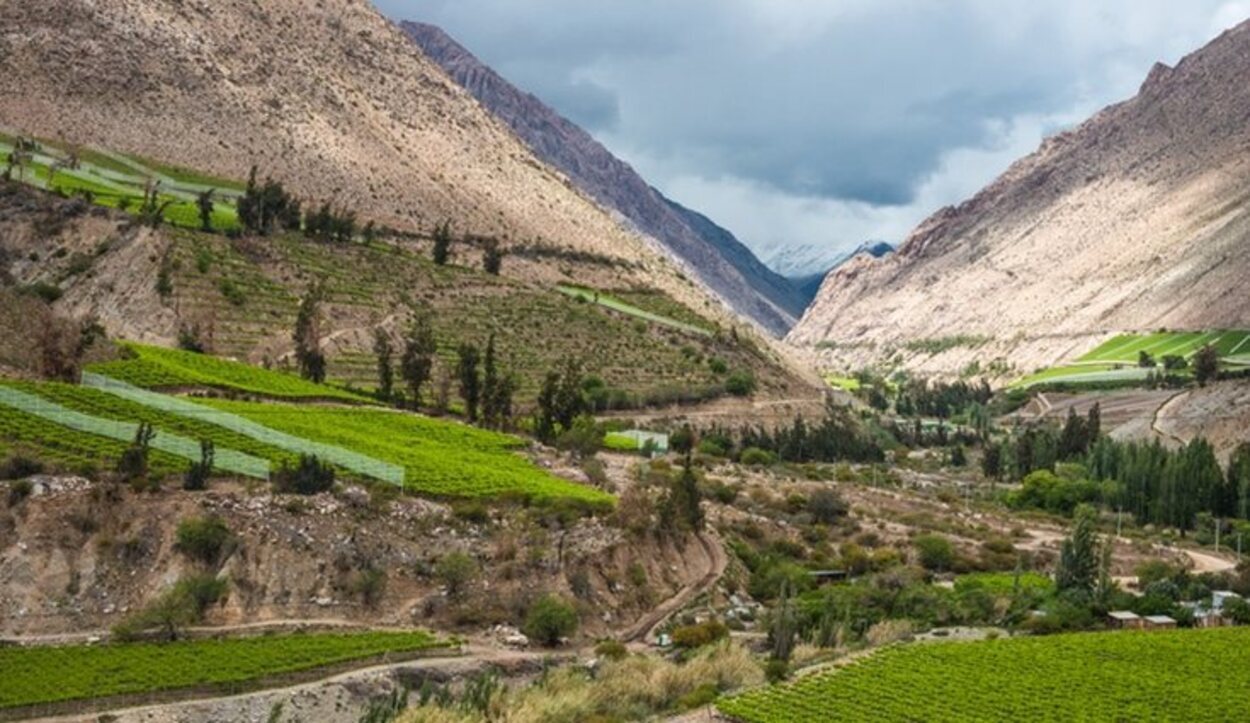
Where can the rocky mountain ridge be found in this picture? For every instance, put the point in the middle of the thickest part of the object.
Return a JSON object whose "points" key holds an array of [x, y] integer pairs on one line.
{"points": [[1138, 219]]}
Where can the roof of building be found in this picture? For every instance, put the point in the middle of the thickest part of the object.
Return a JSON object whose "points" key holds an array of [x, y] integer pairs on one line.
{"points": [[1124, 615], [1160, 619]]}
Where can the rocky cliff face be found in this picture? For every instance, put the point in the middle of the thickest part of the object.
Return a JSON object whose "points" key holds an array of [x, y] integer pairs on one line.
{"points": [[719, 259], [1135, 220]]}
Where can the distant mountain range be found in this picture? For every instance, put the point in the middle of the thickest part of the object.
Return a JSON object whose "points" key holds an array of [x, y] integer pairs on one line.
{"points": [[720, 260], [1138, 219]]}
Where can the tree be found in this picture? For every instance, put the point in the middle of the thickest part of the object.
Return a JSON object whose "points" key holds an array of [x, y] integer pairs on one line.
{"points": [[685, 499], [550, 619], [417, 361], [959, 456], [1078, 558], [307, 337], [261, 208], [782, 632], [1239, 478], [203, 539], [544, 416], [992, 461], [492, 257], [468, 359], [1145, 360], [935, 552], [1093, 423], [204, 201], [197, 476], [457, 570], [490, 385], [740, 383], [826, 506], [682, 441], [384, 351], [133, 464], [309, 477], [584, 438], [1206, 364], [442, 243]]}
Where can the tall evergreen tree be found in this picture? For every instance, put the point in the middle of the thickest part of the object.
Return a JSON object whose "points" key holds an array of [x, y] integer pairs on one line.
{"points": [[1206, 364], [417, 362], [545, 415], [204, 202], [490, 385], [384, 351], [442, 243], [470, 381], [1078, 558], [307, 337]]}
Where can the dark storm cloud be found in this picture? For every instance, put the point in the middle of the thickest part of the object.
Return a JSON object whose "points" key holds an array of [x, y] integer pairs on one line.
{"points": [[850, 101]]}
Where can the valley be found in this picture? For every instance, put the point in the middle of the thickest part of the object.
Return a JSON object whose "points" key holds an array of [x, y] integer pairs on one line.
{"points": [[347, 381]]}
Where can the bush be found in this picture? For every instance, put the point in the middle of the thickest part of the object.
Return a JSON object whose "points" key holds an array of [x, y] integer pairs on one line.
{"points": [[756, 457], [19, 467], [456, 570], [696, 636], [611, 650], [549, 620], [309, 477], [202, 538], [826, 506], [936, 552], [775, 671], [370, 585], [740, 384], [18, 491]]}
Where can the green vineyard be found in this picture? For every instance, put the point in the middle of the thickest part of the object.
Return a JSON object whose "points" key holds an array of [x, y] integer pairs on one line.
{"points": [[1116, 360], [157, 368], [440, 458], [1180, 675], [42, 675]]}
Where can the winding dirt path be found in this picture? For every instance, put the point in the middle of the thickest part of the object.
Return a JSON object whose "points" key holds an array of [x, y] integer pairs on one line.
{"points": [[644, 631]]}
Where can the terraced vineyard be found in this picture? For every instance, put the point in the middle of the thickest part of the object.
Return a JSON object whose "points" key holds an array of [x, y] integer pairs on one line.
{"points": [[689, 323], [43, 675], [154, 368], [117, 180], [442, 459], [1117, 359], [1180, 675]]}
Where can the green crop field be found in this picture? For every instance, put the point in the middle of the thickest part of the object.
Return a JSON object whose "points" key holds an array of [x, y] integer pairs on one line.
{"points": [[1180, 675], [1116, 359], [440, 458], [619, 442], [42, 675], [609, 301], [155, 367]]}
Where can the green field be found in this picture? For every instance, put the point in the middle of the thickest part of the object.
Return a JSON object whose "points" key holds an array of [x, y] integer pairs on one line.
{"points": [[158, 368], [1116, 359], [440, 458], [608, 301], [117, 180], [1181, 675], [42, 675]]}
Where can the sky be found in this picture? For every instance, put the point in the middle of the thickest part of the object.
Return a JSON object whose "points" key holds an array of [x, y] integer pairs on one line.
{"points": [[825, 123]]}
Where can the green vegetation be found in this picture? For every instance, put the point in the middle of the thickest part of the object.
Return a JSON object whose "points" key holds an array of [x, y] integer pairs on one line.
{"points": [[153, 367], [618, 442], [614, 303], [440, 458], [41, 675], [1175, 675], [941, 344], [1130, 359]]}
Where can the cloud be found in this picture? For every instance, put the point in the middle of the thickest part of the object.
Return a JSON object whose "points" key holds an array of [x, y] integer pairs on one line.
{"points": [[824, 121]]}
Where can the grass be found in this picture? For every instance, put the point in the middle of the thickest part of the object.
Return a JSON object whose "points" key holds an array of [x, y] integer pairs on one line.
{"points": [[1004, 583], [1116, 359], [1189, 675], [847, 384], [440, 458], [609, 301], [43, 675], [153, 367], [618, 442]]}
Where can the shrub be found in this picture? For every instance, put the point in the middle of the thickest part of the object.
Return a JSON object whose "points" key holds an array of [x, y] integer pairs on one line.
{"points": [[19, 467], [826, 506], [549, 620], [203, 538], [717, 365], [197, 476], [696, 636], [740, 383], [611, 650], [756, 457], [309, 477], [936, 552], [776, 671], [456, 570], [18, 491], [370, 585]]}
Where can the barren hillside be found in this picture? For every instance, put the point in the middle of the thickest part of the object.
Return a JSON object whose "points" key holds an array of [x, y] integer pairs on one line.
{"points": [[326, 95], [1135, 220]]}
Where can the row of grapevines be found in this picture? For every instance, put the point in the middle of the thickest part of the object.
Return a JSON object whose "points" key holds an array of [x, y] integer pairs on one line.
{"points": [[41, 675], [1182, 675]]}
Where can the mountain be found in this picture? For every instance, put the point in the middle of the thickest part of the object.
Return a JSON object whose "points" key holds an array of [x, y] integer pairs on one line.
{"points": [[810, 283], [720, 260], [1135, 220], [333, 100], [804, 260]]}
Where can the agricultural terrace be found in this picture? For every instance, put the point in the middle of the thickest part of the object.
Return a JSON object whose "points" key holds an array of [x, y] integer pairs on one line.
{"points": [[608, 301], [1182, 675], [1117, 359], [442, 459], [43, 675], [118, 180], [153, 367]]}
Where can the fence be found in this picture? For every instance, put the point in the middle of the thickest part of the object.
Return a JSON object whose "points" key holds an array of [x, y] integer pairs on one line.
{"points": [[225, 459], [347, 459]]}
